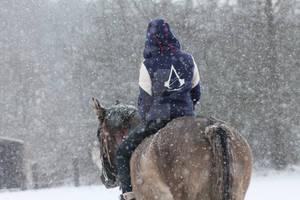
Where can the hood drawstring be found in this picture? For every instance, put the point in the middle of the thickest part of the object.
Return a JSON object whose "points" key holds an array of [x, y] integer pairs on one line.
{"points": [[159, 43], [172, 49]]}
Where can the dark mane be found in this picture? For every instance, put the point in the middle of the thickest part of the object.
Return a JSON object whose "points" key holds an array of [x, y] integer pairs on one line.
{"points": [[119, 115]]}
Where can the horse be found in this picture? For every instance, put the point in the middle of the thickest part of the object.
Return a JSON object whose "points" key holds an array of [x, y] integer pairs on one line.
{"points": [[191, 158]]}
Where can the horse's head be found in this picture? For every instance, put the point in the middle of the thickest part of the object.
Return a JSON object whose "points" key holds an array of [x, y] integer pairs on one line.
{"points": [[114, 124]]}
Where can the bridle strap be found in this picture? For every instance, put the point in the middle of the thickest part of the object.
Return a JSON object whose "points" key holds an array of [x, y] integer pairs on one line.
{"points": [[107, 150], [106, 153]]}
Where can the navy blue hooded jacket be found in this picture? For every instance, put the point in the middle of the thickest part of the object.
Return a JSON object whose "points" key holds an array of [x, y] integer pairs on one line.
{"points": [[169, 80]]}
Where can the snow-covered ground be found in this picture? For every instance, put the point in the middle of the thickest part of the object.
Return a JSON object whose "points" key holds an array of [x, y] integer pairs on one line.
{"points": [[266, 185]]}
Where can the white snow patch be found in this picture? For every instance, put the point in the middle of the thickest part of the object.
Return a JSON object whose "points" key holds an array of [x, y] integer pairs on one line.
{"points": [[264, 185], [64, 193]]}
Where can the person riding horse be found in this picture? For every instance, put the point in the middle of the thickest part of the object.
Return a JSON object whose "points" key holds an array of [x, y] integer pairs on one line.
{"points": [[169, 87]]}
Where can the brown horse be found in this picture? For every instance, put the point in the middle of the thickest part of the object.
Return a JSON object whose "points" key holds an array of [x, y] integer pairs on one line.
{"points": [[191, 158]]}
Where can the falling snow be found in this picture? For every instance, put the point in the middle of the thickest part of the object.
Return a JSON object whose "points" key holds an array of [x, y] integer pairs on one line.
{"points": [[56, 55]]}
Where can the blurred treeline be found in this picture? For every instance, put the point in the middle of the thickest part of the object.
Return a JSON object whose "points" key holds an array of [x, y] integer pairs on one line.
{"points": [[56, 55]]}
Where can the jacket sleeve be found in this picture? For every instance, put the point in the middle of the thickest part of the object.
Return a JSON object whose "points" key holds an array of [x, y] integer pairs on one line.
{"points": [[196, 90], [145, 98]]}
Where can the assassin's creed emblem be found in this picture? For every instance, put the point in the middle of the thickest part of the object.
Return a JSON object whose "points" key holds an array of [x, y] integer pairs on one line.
{"points": [[174, 83]]}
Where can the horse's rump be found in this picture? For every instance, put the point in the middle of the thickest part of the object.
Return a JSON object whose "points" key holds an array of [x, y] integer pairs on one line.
{"points": [[192, 158]]}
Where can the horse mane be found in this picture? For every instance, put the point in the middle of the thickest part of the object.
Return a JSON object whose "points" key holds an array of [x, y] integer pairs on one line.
{"points": [[120, 115]]}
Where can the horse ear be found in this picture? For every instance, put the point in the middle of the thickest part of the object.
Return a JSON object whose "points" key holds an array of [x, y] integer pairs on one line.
{"points": [[100, 110]]}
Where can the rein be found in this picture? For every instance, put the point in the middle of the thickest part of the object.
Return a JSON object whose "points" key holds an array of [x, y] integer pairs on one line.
{"points": [[124, 132]]}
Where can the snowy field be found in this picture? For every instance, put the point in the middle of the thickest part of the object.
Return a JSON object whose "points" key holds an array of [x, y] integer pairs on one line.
{"points": [[269, 185]]}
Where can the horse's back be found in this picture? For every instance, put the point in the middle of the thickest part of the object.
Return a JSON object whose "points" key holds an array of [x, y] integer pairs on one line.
{"points": [[176, 163]]}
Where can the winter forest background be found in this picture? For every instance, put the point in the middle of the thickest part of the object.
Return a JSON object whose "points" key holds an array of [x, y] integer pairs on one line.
{"points": [[56, 55]]}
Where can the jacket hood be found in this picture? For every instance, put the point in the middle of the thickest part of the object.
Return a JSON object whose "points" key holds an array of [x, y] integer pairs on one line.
{"points": [[160, 39]]}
